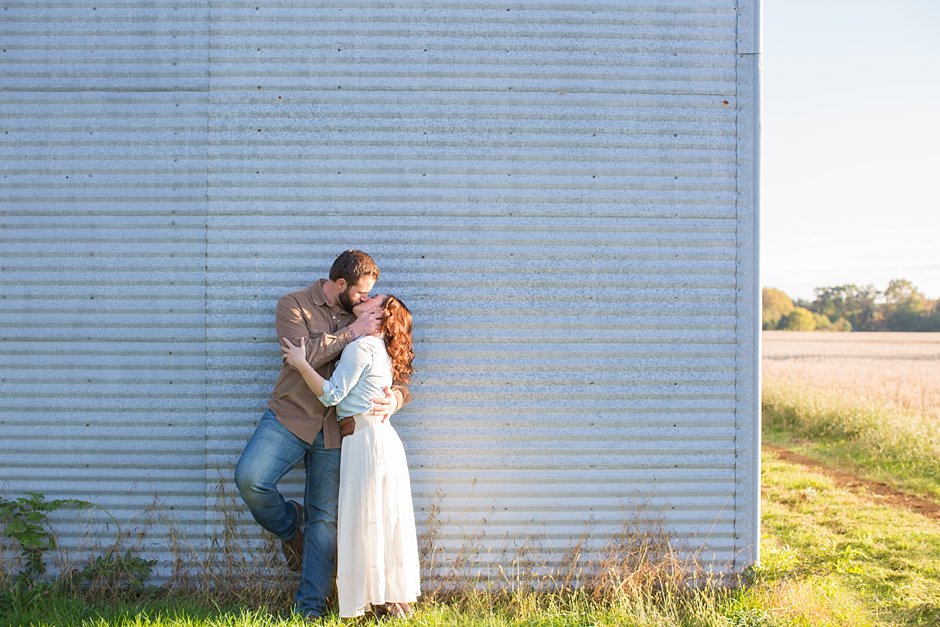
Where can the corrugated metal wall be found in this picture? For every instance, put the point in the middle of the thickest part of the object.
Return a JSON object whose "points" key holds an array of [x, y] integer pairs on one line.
{"points": [[564, 193], [103, 208]]}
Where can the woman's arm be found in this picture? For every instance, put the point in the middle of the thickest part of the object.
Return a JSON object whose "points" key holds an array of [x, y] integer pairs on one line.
{"points": [[291, 322], [296, 357], [349, 369]]}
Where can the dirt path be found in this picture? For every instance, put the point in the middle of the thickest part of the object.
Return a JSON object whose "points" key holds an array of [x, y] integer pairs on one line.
{"points": [[886, 494]]}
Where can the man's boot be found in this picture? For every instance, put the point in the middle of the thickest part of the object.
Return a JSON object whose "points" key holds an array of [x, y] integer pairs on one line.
{"points": [[294, 548]]}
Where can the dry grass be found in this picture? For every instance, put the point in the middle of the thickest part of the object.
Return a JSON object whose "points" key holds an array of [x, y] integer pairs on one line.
{"points": [[830, 557], [899, 372], [867, 401], [640, 567], [638, 577]]}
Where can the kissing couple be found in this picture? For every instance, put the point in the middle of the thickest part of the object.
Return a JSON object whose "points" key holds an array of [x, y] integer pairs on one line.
{"points": [[347, 363]]}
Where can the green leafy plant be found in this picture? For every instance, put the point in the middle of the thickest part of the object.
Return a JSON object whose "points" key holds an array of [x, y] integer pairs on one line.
{"points": [[24, 520], [112, 574]]}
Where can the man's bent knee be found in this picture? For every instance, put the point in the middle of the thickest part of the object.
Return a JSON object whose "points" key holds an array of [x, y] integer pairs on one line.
{"points": [[248, 481]]}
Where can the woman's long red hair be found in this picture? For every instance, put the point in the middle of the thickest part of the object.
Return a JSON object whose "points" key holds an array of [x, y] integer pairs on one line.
{"points": [[396, 330]]}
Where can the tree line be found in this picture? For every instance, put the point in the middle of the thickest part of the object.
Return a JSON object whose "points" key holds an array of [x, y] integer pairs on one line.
{"points": [[901, 307]]}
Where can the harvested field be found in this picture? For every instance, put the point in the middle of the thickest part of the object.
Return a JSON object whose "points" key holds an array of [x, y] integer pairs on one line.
{"points": [[868, 403], [899, 372]]}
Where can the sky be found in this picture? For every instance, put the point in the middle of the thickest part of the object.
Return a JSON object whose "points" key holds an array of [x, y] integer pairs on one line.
{"points": [[850, 146]]}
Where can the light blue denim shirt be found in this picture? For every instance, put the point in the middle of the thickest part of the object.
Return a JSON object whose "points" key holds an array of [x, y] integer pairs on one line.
{"points": [[361, 374]]}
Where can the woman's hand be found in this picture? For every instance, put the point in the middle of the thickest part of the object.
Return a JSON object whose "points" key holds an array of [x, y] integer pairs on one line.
{"points": [[295, 356]]}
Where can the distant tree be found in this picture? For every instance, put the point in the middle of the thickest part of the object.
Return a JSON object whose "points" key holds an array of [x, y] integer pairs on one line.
{"points": [[842, 325], [907, 321], [857, 305], [905, 308], [933, 320], [800, 319], [775, 305], [903, 293], [822, 322], [901, 307]]}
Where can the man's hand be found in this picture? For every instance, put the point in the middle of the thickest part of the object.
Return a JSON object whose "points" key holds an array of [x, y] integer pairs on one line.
{"points": [[384, 406], [347, 426], [368, 322]]}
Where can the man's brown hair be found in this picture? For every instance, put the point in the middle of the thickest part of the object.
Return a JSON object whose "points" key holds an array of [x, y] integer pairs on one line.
{"points": [[352, 265]]}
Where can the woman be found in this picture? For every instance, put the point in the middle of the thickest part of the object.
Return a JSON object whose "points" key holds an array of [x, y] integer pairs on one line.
{"points": [[377, 547]]}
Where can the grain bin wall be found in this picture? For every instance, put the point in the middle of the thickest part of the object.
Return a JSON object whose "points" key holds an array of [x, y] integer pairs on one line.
{"points": [[564, 193]]}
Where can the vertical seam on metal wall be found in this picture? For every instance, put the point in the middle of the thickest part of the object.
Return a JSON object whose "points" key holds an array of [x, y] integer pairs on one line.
{"points": [[756, 301], [747, 280], [205, 284], [735, 546]]}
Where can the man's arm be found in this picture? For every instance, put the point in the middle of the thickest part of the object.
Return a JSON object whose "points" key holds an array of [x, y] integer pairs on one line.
{"points": [[323, 346], [402, 395], [395, 398], [348, 371]]}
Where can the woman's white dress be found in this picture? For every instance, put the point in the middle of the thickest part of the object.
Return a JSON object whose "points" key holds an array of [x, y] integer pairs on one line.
{"points": [[377, 546]]}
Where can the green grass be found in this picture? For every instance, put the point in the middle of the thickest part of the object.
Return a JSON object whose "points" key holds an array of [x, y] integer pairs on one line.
{"points": [[871, 563], [476, 609], [830, 557], [901, 451]]}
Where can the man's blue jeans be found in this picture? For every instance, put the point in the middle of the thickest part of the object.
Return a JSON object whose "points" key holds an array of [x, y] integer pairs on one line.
{"points": [[270, 453]]}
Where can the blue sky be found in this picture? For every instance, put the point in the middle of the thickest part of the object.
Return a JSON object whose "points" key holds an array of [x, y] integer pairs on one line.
{"points": [[850, 144]]}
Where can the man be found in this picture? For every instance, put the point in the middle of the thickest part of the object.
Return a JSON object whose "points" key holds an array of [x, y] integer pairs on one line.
{"points": [[298, 427]]}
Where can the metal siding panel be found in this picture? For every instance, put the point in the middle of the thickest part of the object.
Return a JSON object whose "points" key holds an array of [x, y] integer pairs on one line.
{"points": [[103, 260], [553, 193], [108, 47], [554, 189]]}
